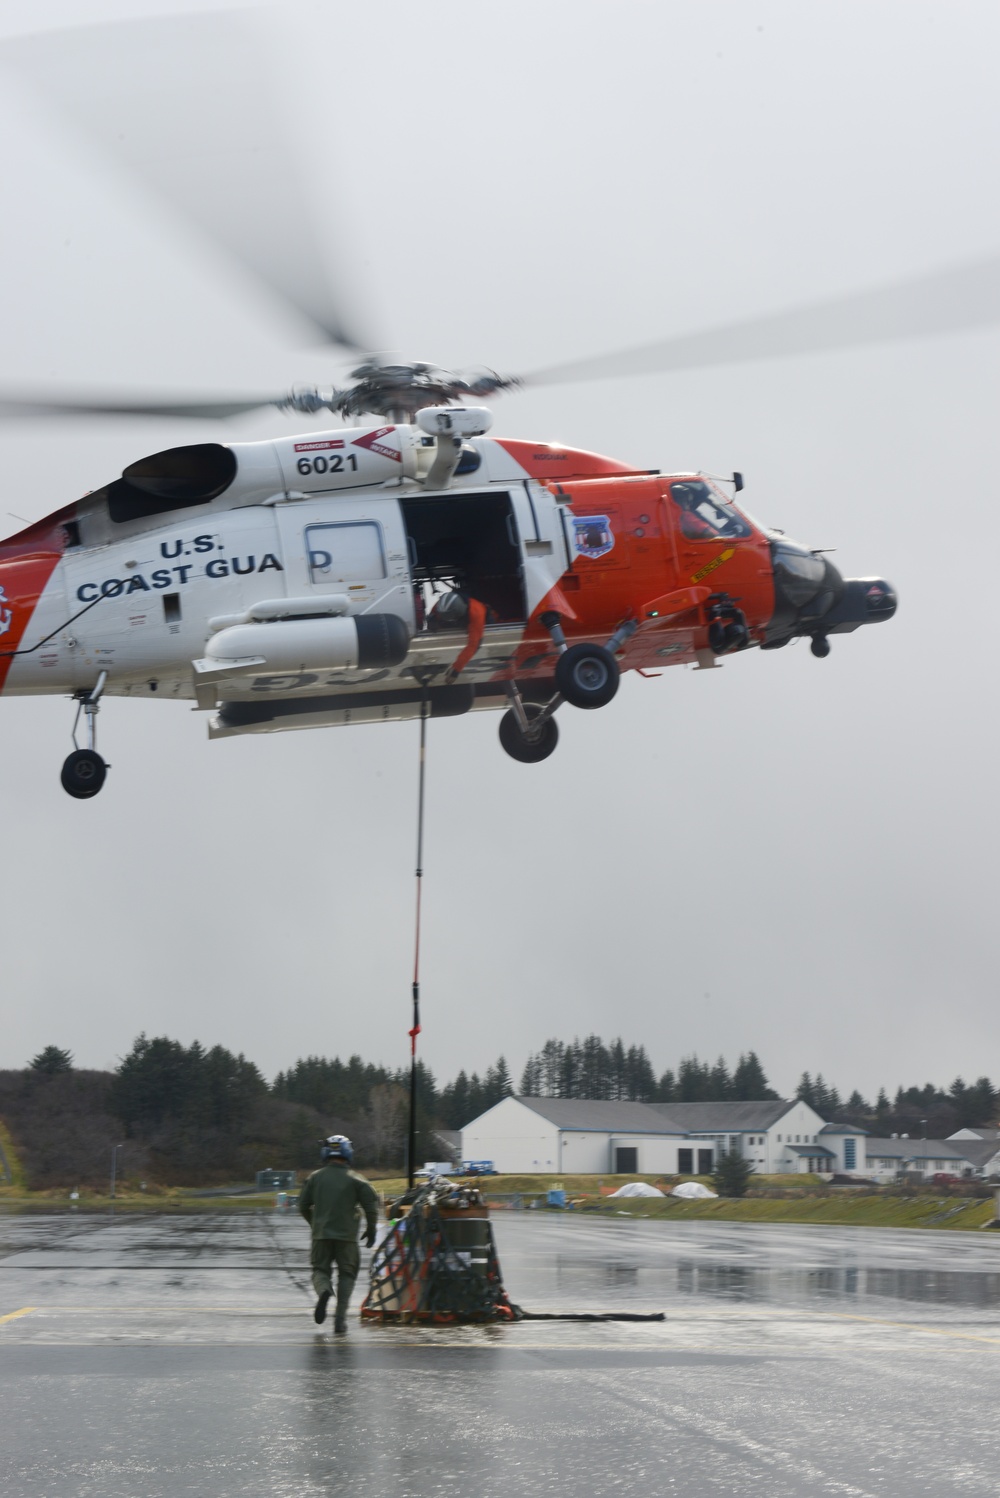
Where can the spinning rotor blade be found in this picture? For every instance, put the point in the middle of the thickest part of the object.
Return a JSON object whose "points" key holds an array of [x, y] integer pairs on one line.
{"points": [[182, 102], [13, 407], [950, 301]]}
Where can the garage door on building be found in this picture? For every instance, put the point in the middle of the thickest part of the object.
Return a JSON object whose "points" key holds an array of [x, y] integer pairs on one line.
{"points": [[626, 1159]]}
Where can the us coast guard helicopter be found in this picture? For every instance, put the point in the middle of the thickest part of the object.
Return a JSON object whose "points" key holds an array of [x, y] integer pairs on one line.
{"points": [[355, 575], [402, 560]]}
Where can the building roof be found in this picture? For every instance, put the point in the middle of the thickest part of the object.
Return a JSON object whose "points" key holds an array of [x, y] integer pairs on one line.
{"points": [[584, 1115], [978, 1152], [813, 1151], [914, 1149], [983, 1134], [723, 1118], [841, 1129]]}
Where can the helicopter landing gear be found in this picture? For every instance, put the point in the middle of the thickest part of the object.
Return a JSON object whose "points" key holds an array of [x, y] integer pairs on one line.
{"points": [[587, 675], [820, 647], [84, 771], [528, 731], [534, 745]]}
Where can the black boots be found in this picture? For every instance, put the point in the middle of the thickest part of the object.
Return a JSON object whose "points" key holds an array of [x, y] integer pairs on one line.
{"points": [[319, 1314]]}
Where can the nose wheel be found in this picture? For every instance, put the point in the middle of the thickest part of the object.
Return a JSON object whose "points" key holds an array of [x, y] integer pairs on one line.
{"points": [[85, 771]]}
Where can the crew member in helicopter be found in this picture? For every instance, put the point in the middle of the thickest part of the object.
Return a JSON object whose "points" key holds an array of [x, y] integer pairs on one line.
{"points": [[694, 526], [332, 1200]]}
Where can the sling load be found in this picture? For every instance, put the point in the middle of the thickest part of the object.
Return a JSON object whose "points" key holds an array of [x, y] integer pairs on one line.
{"points": [[438, 1261]]}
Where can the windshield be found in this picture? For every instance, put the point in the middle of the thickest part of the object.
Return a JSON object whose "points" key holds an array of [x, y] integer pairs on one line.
{"points": [[706, 514]]}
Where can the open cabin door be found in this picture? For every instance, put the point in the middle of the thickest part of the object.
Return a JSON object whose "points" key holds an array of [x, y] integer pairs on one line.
{"points": [[467, 544], [354, 547]]}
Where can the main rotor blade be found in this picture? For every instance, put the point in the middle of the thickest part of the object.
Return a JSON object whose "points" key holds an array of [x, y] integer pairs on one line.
{"points": [[183, 102], [13, 407], [949, 301]]}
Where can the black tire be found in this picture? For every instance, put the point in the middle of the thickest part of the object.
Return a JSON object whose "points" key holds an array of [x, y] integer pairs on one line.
{"points": [[587, 675], [528, 751], [83, 773]]}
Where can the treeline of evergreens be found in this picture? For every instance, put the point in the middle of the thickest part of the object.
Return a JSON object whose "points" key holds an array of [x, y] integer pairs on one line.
{"points": [[927, 1111], [590, 1069], [191, 1115]]}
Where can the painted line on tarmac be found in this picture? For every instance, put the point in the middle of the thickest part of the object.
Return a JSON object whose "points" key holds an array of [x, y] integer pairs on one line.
{"points": [[913, 1326], [13, 1315]]}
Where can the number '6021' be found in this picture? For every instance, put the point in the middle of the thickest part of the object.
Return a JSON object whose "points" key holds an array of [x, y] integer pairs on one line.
{"points": [[333, 464]]}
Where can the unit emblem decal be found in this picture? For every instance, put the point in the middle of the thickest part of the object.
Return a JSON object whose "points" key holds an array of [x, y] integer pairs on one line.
{"points": [[6, 614], [593, 534]]}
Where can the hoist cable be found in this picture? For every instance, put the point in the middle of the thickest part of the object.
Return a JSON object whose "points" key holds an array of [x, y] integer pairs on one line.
{"points": [[411, 1145]]}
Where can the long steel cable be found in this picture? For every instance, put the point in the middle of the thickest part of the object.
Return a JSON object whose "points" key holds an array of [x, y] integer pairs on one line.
{"points": [[411, 1145]]}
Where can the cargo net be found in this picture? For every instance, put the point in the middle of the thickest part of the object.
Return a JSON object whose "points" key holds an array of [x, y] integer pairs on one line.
{"points": [[438, 1261]]}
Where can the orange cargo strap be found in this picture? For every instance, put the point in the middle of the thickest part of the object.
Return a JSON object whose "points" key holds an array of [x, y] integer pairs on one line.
{"points": [[477, 623]]}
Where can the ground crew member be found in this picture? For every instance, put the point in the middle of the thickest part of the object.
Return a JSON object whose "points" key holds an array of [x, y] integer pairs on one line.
{"points": [[331, 1201]]}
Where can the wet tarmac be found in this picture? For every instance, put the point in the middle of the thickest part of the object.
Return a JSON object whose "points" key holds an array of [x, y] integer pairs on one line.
{"points": [[172, 1355]]}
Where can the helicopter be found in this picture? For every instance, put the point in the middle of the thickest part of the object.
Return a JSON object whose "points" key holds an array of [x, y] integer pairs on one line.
{"points": [[371, 573], [402, 563]]}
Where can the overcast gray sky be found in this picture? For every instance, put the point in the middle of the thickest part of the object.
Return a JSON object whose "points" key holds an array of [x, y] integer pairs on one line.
{"points": [[797, 855]]}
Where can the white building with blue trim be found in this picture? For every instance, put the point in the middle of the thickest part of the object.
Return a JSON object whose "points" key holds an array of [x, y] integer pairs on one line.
{"points": [[528, 1135]]}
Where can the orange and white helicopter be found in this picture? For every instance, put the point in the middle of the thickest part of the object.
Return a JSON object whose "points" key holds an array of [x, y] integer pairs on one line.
{"points": [[353, 575], [407, 561]]}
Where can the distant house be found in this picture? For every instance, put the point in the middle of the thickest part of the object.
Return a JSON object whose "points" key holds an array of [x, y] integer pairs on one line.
{"points": [[577, 1136], [981, 1147], [888, 1158]]}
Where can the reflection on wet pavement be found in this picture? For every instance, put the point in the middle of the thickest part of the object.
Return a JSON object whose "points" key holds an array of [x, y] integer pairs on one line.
{"points": [[147, 1356]]}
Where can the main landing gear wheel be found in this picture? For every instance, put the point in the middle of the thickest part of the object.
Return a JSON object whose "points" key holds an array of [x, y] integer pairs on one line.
{"points": [[527, 750], [587, 675], [83, 773]]}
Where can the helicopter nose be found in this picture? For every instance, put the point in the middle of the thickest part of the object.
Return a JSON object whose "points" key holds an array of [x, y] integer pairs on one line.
{"points": [[812, 598], [881, 598], [864, 600]]}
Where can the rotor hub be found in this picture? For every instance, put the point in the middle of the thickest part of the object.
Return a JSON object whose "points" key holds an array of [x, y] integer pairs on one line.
{"points": [[399, 391]]}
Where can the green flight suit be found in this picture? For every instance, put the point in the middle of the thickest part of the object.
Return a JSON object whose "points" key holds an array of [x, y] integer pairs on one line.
{"points": [[331, 1201]]}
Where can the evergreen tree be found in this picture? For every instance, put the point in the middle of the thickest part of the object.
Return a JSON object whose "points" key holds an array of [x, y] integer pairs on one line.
{"points": [[550, 1068], [856, 1111], [454, 1103], [531, 1078], [160, 1082], [617, 1071], [693, 1081], [666, 1089], [640, 1078], [805, 1090], [720, 1082], [504, 1085], [731, 1175], [749, 1082], [51, 1061], [568, 1084], [595, 1068]]}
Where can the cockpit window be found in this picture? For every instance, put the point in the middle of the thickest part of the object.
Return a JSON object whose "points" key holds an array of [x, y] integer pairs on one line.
{"points": [[705, 513]]}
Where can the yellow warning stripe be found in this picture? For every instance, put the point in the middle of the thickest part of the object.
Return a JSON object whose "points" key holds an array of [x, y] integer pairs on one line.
{"points": [[13, 1315]]}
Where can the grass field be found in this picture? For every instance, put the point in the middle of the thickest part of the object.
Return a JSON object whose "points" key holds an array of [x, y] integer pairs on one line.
{"points": [[802, 1199]]}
